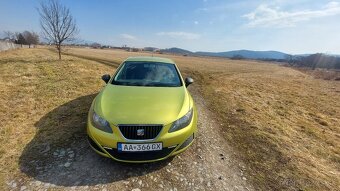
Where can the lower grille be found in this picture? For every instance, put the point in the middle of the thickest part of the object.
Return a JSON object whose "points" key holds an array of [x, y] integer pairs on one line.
{"points": [[94, 145], [186, 142], [140, 156], [140, 132]]}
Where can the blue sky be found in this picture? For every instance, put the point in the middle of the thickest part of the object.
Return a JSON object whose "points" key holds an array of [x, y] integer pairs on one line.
{"points": [[300, 26]]}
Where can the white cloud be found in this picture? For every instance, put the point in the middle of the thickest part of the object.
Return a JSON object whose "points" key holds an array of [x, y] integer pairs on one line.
{"points": [[267, 16], [205, 9], [196, 22], [128, 37], [182, 35]]}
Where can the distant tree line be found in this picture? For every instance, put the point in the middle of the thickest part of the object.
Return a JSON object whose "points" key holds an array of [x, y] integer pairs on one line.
{"points": [[313, 61], [23, 38], [237, 57]]}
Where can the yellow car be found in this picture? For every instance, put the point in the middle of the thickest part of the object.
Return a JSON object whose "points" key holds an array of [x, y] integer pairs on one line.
{"points": [[144, 113]]}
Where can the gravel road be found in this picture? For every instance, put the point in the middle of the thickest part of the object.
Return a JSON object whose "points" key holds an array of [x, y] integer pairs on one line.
{"points": [[207, 165]]}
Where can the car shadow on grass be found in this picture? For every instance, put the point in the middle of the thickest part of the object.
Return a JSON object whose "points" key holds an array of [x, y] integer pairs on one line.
{"points": [[59, 153]]}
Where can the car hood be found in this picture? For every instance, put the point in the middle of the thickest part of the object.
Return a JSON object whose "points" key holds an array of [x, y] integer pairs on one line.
{"points": [[141, 105]]}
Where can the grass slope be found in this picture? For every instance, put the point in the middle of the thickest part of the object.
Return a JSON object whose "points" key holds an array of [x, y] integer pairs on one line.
{"points": [[33, 83]]}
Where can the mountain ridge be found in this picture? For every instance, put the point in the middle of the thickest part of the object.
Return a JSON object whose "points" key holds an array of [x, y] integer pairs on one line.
{"points": [[248, 54]]}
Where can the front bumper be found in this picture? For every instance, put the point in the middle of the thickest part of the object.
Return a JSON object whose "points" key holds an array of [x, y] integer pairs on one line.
{"points": [[174, 143]]}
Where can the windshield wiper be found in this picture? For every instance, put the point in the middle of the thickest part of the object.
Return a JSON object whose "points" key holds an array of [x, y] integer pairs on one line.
{"points": [[150, 84]]}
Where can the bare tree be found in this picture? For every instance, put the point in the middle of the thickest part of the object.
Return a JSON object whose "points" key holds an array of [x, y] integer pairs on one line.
{"points": [[95, 45], [57, 23], [289, 58], [35, 38], [30, 38], [20, 39], [9, 35]]}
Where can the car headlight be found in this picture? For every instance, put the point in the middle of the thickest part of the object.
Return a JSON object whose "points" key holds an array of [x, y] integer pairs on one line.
{"points": [[181, 122], [100, 123]]}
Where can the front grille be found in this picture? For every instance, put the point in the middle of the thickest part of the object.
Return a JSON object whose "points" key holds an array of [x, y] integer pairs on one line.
{"points": [[130, 131]]}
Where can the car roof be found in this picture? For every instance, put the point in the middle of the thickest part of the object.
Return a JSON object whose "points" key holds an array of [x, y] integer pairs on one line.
{"points": [[149, 59]]}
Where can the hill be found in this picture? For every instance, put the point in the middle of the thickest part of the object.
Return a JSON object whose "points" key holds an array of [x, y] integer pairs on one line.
{"points": [[175, 50], [318, 60], [249, 54]]}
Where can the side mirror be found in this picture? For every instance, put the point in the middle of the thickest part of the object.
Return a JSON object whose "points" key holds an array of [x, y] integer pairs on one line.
{"points": [[106, 78], [188, 81]]}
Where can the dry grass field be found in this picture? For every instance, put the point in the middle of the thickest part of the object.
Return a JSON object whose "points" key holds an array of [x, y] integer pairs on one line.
{"points": [[32, 84], [283, 124]]}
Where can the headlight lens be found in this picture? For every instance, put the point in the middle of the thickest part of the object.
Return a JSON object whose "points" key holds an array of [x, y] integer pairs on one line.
{"points": [[181, 122], [100, 123]]}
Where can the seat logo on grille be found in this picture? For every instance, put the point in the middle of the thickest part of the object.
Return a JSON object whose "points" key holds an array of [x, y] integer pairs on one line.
{"points": [[140, 132]]}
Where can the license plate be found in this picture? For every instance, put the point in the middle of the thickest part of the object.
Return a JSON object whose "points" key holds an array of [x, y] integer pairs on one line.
{"points": [[125, 147]]}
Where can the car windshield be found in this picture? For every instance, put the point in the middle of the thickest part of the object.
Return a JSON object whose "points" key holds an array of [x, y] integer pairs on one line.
{"points": [[147, 74]]}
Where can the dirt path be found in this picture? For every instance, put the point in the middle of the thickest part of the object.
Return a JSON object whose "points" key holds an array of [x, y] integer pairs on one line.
{"points": [[207, 165]]}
